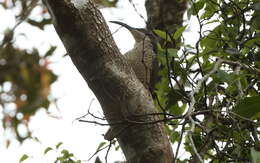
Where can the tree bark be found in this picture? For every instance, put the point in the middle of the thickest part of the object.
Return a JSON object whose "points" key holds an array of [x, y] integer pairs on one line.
{"points": [[122, 96], [166, 15]]}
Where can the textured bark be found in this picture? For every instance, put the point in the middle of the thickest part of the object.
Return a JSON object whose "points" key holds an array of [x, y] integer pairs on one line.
{"points": [[166, 15], [122, 96]]}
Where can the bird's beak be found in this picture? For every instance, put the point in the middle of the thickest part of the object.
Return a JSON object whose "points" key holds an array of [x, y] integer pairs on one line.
{"points": [[123, 24]]}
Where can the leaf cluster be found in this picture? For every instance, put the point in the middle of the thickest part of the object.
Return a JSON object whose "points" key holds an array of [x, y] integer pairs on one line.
{"points": [[25, 79], [64, 155], [209, 92]]}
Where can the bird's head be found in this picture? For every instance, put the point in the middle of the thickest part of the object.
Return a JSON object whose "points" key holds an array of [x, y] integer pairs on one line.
{"points": [[139, 34]]}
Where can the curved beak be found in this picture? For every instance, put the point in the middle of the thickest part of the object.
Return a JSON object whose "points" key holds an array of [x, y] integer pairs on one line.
{"points": [[124, 25]]}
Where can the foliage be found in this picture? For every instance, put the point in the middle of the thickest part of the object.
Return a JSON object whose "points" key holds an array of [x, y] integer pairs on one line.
{"points": [[23, 158], [64, 156], [209, 92], [25, 78]]}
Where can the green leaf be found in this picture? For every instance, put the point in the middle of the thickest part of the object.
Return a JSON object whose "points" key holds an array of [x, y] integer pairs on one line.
{"points": [[213, 21], [248, 107], [209, 42], [65, 152], [179, 32], [162, 34], [50, 51], [24, 157], [221, 76], [255, 155], [176, 109], [117, 147], [160, 50], [250, 43], [173, 97], [196, 7], [172, 52], [47, 150], [209, 11], [101, 145], [175, 136], [58, 145]]}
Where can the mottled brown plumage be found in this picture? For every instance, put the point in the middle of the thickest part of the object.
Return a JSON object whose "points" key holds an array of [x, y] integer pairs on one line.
{"points": [[142, 57]]}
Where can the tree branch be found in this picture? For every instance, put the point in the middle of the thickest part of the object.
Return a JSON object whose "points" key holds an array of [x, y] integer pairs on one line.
{"points": [[92, 49]]}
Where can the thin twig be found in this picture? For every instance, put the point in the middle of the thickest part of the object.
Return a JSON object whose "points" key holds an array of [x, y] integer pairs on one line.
{"points": [[138, 13], [234, 63], [200, 82], [194, 147]]}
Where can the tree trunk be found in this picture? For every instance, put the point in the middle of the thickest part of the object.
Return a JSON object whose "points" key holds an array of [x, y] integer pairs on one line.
{"points": [[166, 15], [122, 96]]}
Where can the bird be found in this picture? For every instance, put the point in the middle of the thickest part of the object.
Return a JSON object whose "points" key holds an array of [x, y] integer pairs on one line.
{"points": [[142, 58]]}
